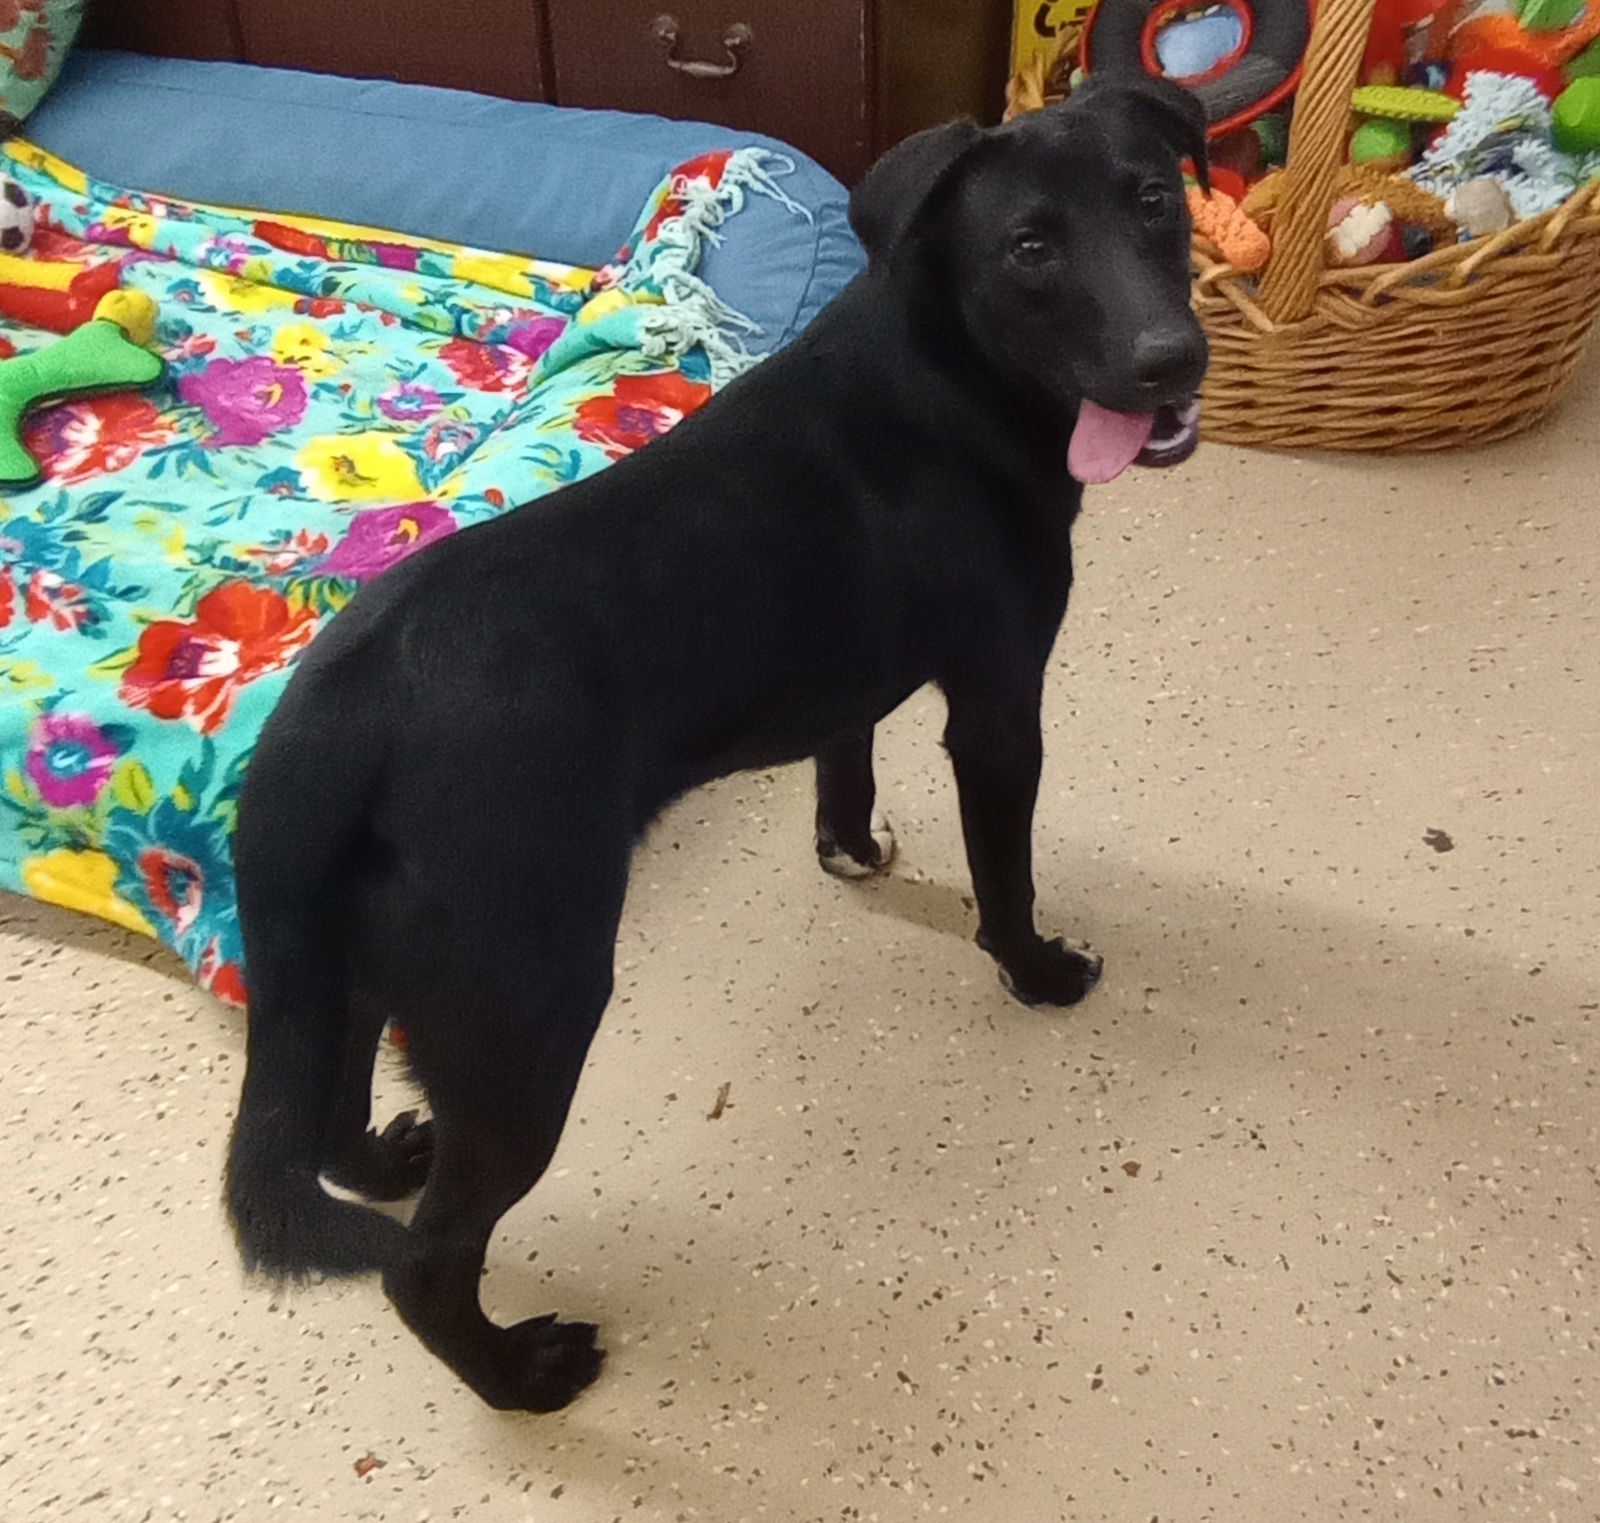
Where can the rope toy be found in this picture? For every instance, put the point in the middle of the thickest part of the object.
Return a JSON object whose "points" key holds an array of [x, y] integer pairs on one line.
{"points": [[1221, 219]]}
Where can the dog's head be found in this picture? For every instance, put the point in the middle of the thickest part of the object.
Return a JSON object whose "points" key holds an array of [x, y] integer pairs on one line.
{"points": [[1061, 242]]}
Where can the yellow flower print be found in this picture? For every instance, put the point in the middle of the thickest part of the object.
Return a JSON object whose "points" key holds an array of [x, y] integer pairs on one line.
{"points": [[84, 881], [20, 151], [139, 226], [305, 348], [500, 272], [566, 277], [604, 305], [359, 468], [238, 295]]}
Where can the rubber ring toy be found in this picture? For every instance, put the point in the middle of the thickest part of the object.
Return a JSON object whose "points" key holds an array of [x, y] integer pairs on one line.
{"points": [[1247, 53]]}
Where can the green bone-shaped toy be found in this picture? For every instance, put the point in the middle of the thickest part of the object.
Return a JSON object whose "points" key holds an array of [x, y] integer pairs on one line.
{"points": [[100, 356]]}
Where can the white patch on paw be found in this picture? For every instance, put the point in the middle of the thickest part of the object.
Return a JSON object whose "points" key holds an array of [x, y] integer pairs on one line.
{"points": [[1085, 951], [883, 839], [842, 865]]}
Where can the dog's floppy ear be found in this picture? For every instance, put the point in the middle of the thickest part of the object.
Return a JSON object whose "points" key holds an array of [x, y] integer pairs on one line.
{"points": [[884, 205], [1174, 112]]}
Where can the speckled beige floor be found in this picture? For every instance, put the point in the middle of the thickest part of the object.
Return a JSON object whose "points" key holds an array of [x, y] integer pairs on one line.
{"points": [[1296, 1219]]}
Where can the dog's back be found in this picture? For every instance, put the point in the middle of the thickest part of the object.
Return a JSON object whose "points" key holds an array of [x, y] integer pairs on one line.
{"points": [[793, 560]]}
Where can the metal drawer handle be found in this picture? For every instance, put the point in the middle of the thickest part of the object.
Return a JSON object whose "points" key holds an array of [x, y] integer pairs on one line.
{"points": [[735, 40]]}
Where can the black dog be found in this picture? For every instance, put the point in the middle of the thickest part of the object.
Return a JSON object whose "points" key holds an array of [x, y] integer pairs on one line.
{"points": [[438, 821]]}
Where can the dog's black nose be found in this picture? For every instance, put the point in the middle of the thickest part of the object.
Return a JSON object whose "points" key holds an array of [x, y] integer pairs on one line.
{"points": [[1166, 361]]}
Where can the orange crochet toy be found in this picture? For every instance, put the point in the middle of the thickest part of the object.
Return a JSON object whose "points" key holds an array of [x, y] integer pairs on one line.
{"points": [[1221, 219]]}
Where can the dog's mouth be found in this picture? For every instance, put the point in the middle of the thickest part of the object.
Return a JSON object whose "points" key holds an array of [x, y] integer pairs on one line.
{"points": [[1105, 443]]}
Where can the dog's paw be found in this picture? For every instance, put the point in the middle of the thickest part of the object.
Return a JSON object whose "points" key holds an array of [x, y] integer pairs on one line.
{"points": [[388, 1165], [845, 864], [545, 1364], [1050, 972]]}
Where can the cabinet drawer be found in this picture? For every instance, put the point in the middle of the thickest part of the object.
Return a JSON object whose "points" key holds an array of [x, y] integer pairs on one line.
{"points": [[799, 73], [174, 28], [493, 46]]}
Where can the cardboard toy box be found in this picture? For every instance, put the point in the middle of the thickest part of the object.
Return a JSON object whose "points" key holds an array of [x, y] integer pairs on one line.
{"points": [[1037, 26]]}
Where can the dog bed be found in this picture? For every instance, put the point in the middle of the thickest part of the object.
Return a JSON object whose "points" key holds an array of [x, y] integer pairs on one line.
{"points": [[335, 399]]}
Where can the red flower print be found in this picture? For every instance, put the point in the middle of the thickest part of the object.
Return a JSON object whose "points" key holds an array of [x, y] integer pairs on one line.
{"points": [[173, 883], [639, 409], [81, 440], [227, 983], [448, 440], [50, 599], [194, 670], [708, 167], [223, 979], [195, 347], [8, 597], [292, 240], [487, 367], [290, 554], [319, 306], [671, 206]]}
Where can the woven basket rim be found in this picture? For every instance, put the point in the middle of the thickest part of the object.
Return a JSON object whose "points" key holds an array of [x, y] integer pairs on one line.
{"points": [[1452, 269]]}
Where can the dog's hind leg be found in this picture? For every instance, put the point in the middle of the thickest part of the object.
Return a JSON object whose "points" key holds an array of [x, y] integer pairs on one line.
{"points": [[853, 839], [523, 976], [386, 1165], [498, 1115]]}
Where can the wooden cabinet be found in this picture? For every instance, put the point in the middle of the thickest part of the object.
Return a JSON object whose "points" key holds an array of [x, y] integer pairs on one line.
{"points": [[494, 46], [840, 79], [799, 72], [167, 28]]}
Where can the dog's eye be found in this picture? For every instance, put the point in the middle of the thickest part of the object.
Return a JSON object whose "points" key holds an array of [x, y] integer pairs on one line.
{"points": [[1028, 248], [1153, 203]]}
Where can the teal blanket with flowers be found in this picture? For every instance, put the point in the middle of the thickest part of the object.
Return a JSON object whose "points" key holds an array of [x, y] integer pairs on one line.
{"points": [[335, 399]]}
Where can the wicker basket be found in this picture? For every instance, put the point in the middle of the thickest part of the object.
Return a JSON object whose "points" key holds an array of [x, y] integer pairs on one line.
{"points": [[1470, 343]]}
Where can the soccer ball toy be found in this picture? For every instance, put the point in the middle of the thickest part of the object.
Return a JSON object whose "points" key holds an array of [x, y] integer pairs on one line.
{"points": [[16, 216]]}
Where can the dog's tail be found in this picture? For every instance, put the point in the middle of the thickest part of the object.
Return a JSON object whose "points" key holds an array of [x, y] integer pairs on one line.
{"points": [[300, 826]]}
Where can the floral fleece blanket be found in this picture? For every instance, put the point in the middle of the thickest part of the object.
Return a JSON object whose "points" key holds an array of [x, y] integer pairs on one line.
{"points": [[335, 399]]}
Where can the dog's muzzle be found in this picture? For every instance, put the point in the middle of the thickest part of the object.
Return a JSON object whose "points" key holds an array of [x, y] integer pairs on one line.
{"points": [[1105, 443]]}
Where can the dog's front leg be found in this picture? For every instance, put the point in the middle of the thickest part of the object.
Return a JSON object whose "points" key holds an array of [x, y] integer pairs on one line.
{"points": [[853, 839], [994, 743]]}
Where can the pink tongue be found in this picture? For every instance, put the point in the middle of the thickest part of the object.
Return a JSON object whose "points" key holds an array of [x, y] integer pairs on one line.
{"points": [[1105, 443]]}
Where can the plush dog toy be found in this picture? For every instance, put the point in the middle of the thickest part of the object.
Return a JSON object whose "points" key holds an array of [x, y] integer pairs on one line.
{"points": [[104, 354]]}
